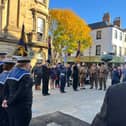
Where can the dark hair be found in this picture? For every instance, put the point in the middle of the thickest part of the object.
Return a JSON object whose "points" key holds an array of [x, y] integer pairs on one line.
{"points": [[8, 67]]}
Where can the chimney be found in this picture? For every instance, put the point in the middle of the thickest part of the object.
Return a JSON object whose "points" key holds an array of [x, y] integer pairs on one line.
{"points": [[106, 18], [117, 21]]}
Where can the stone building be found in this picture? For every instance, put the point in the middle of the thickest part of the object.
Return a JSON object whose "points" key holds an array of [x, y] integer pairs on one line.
{"points": [[34, 14]]}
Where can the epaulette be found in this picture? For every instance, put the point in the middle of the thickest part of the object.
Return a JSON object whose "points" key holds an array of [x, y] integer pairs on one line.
{"points": [[17, 74]]}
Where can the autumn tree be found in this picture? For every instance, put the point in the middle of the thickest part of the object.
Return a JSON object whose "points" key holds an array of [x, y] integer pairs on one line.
{"points": [[66, 29]]}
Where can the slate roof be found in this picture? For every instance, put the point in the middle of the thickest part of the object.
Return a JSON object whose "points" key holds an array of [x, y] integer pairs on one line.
{"points": [[100, 25]]}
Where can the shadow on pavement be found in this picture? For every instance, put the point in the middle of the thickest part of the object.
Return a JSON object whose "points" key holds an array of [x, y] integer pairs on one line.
{"points": [[57, 119]]}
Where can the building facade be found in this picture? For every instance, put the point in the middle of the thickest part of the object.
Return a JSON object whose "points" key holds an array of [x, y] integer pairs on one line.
{"points": [[34, 14], [107, 37]]}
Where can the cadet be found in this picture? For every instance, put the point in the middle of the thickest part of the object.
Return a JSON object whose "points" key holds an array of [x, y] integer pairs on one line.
{"points": [[2, 57], [18, 94], [62, 78], [7, 66]]}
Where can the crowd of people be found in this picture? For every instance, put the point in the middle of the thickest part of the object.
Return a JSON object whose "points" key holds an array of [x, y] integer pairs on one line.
{"points": [[17, 79], [77, 75]]}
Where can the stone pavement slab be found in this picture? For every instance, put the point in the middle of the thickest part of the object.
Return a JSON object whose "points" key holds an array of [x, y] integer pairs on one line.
{"points": [[57, 119], [83, 104]]}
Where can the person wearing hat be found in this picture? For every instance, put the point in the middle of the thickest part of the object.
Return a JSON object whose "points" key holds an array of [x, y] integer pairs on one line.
{"points": [[7, 66], [2, 57], [18, 94]]}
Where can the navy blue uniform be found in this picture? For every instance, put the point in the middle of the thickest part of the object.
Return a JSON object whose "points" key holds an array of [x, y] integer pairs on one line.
{"points": [[1, 67], [62, 79], [18, 93], [3, 114]]}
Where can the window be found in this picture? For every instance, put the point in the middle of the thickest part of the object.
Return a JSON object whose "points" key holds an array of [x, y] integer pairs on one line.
{"points": [[40, 29], [125, 37], [115, 34], [125, 52], [98, 35], [115, 49], [120, 51], [98, 50], [120, 35]]}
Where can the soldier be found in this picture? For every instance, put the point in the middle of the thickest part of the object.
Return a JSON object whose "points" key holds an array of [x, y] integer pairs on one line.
{"points": [[102, 76], [2, 57], [83, 73], [94, 76], [18, 94], [45, 79], [7, 66]]}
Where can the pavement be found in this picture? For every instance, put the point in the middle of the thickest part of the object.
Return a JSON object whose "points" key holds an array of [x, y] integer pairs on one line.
{"points": [[82, 104]]}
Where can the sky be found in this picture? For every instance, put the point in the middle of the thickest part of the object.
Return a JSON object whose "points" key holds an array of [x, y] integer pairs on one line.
{"points": [[93, 10]]}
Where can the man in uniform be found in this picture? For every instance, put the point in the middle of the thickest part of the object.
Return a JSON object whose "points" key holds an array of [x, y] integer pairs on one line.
{"points": [[18, 94], [2, 57], [94, 76], [7, 66], [102, 76], [45, 79]]}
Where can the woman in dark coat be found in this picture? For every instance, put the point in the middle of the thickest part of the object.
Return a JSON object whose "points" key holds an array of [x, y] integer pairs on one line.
{"points": [[75, 77]]}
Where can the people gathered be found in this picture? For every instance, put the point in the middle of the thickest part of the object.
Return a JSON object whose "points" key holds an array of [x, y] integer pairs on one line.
{"points": [[17, 80]]}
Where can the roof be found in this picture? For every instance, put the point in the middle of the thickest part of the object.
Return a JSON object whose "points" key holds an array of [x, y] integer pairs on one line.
{"points": [[100, 25]]}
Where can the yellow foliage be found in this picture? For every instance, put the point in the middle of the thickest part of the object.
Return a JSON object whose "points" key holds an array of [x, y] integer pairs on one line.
{"points": [[70, 28]]}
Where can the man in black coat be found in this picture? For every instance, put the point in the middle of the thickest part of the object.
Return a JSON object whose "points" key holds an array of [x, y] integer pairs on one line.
{"points": [[18, 94], [113, 110], [45, 78]]}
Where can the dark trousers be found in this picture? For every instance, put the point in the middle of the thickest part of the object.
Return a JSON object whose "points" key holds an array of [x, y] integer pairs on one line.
{"points": [[45, 84], [102, 82], [19, 115], [62, 85], [92, 81], [57, 82], [75, 84], [3, 117]]}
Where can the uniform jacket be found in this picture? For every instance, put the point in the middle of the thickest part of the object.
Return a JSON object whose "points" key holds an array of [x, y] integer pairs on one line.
{"points": [[18, 87], [113, 111]]}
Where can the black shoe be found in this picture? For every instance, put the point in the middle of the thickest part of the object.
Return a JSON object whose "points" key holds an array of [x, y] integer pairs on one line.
{"points": [[75, 90], [91, 87], [48, 94], [100, 89], [63, 91]]}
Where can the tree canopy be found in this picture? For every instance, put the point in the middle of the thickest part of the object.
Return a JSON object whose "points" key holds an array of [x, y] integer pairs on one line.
{"points": [[66, 29]]}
